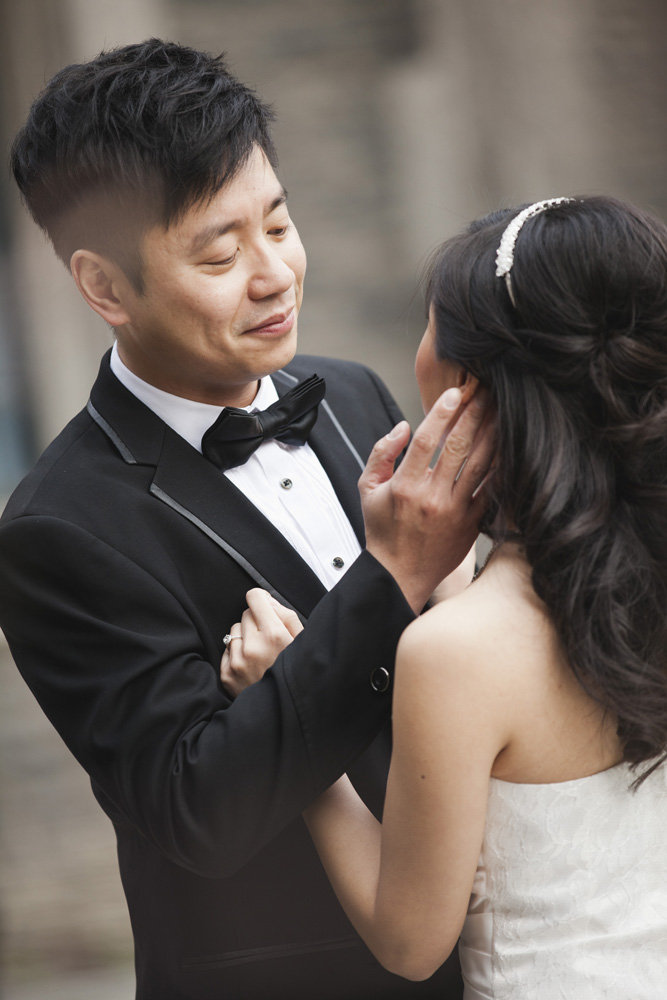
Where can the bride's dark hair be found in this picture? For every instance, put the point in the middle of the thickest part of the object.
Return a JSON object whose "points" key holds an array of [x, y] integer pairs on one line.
{"points": [[578, 373]]}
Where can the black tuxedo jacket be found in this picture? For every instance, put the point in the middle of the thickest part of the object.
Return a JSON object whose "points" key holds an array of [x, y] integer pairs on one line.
{"points": [[124, 558]]}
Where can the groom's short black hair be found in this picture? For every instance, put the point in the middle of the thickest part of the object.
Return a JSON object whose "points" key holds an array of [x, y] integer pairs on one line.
{"points": [[131, 139]]}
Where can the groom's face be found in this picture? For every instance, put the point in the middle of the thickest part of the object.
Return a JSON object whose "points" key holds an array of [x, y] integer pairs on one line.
{"points": [[222, 292]]}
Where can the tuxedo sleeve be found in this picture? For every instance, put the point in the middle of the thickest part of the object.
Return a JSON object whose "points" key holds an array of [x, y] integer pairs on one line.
{"points": [[118, 667]]}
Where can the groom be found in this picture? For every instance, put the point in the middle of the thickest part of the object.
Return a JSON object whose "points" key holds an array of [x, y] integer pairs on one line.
{"points": [[127, 553]]}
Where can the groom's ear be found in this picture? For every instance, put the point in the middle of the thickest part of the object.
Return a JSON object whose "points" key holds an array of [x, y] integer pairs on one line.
{"points": [[102, 284]]}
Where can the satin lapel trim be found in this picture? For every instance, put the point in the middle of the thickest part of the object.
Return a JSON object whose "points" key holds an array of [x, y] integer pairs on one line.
{"points": [[196, 490], [340, 459], [251, 570], [116, 440]]}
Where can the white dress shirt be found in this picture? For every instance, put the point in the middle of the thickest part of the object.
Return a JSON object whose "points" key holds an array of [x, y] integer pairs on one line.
{"points": [[285, 482]]}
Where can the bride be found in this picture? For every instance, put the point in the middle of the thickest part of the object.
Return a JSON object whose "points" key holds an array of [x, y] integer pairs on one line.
{"points": [[526, 805]]}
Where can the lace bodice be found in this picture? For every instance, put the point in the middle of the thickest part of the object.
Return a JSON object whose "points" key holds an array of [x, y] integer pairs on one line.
{"points": [[570, 897]]}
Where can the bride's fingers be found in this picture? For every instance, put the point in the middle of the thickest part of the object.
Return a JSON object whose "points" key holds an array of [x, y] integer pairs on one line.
{"points": [[289, 618], [269, 615], [227, 666]]}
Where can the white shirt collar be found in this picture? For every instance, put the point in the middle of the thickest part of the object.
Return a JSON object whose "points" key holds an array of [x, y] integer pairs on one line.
{"points": [[187, 417]]}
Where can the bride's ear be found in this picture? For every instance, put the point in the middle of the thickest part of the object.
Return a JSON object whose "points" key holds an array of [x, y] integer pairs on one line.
{"points": [[467, 383]]}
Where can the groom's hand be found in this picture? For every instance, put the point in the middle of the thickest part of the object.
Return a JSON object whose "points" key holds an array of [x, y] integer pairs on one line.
{"points": [[422, 519]]}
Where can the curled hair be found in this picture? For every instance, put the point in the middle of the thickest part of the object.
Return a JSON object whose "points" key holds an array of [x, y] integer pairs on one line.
{"points": [[578, 373], [131, 139]]}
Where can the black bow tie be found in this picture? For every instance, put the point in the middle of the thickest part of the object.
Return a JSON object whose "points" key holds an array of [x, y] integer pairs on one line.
{"points": [[236, 434]]}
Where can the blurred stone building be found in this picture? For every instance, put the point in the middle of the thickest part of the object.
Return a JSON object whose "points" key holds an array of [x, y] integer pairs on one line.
{"points": [[398, 121]]}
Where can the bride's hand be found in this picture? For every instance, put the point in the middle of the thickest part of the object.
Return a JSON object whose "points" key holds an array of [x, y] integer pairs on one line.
{"points": [[266, 627]]}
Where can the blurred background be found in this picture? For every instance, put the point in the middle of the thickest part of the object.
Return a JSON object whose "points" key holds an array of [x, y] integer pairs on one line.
{"points": [[398, 122]]}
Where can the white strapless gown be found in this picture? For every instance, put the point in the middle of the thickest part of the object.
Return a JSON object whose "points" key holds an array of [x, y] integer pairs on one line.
{"points": [[570, 897]]}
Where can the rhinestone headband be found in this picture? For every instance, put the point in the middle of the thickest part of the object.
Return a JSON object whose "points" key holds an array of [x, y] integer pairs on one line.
{"points": [[505, 252]]}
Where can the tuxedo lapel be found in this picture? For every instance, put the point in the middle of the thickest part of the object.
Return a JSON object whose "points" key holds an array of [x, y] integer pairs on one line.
{"points": [[197, 490], [200, 493]]}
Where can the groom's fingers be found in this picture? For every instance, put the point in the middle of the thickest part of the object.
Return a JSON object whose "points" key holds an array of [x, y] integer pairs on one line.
{"points": [[421, 521], [468, 452], [445, 442], [381, 461], [478, 468], [434, 429]]}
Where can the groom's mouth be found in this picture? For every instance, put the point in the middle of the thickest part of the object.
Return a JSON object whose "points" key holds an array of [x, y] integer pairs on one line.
{"points": [[275, 325]]}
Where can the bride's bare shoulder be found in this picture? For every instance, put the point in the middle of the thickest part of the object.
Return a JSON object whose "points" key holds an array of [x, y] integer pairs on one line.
{"points": [[498, 617], [492, 655], [466, 659]]}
